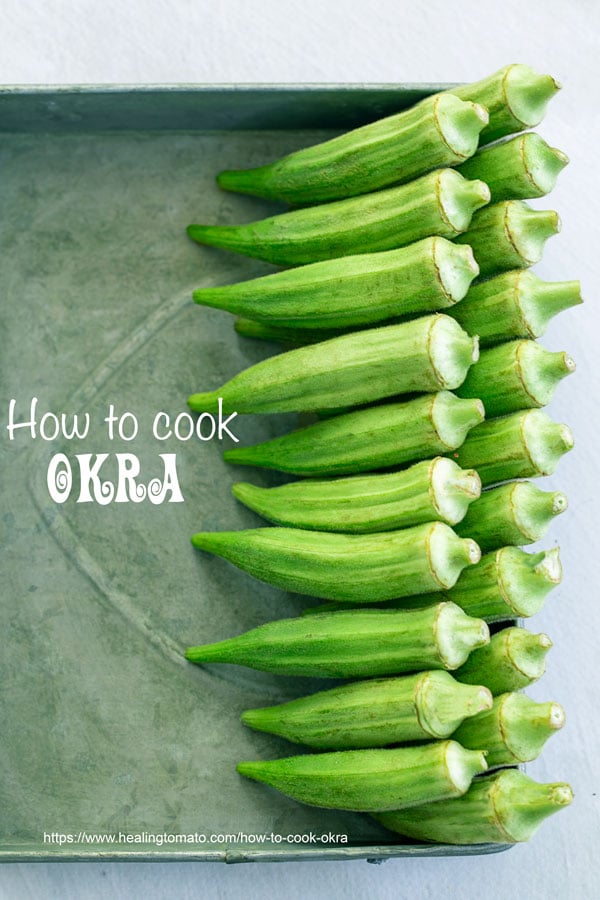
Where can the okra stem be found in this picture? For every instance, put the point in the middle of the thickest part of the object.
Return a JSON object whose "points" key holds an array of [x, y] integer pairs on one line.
{"points": [[519, 169], [514, 730], [439, 131], [517, 375], [366, 439], [427, 354], [370, 780], [515, 97], [435, 489], [361, 643], [428, 275], [359, 568], [440, 203], [521, 445], [512, 514], [375, 712], [509, 235], [502, 808], [514, 304], [513, 659]]}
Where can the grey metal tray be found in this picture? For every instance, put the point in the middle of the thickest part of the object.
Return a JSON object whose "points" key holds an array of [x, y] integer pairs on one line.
{"points": [[113, 747]]}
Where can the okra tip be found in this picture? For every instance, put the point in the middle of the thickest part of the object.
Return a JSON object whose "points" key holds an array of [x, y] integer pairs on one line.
{"points": [[252, 769], [207, 540], [243, 181], [207, 402], [214, 235]]}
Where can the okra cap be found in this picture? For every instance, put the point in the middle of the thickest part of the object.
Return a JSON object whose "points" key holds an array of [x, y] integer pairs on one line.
{"points": [[459, 198]]}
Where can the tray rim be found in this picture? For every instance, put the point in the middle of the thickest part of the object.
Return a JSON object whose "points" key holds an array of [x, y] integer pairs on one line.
{"points": [[375, 853]]}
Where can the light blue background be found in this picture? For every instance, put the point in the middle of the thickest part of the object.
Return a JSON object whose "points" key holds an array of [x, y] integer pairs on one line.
{"points": [[157, 41]]}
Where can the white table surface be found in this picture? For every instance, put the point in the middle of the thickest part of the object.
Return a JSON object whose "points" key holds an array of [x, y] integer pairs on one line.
{"points": [[170, 41]]}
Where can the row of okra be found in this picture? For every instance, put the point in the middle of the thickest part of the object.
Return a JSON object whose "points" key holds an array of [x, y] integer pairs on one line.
{"points": [[413, 320]]}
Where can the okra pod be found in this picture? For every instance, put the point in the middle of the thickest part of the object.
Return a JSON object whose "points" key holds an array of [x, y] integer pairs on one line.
{"points": [[508, 583], [439, 131], [426, 276], [366, 439], [513, 514], [502, 585], [519, 169], [440, 203], [513, 659], [509, 235], [435, 489], [517, 375], [503, 808], [354, 567], [515, 97], [280, 334], [361, 643], [514, 730], [428, 354], [522, 445], [375, 712], [372, 780], [514, 304]]}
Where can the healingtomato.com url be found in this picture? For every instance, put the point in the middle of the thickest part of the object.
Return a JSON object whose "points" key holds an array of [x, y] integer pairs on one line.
{"points": [[159, 839]]}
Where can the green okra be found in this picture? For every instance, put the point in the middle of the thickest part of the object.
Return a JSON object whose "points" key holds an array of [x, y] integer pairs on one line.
{"points": [[435, 489], [515, 97], [439, 131], [515, 304], [519, 169], [428, 354], [513, 659], [366, 439], [508, 583], [509, 235], [441, 203], [521, 445], [426, 276], [375, 712], [513, 514], [372, 780], [516, 375], [361, 643], [355, 567], [279, 334], [514, 730], [503, 585], [503, 808]]}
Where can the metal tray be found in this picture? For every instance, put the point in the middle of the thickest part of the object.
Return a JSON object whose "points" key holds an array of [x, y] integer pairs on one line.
{"points": [[107, 731]]}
